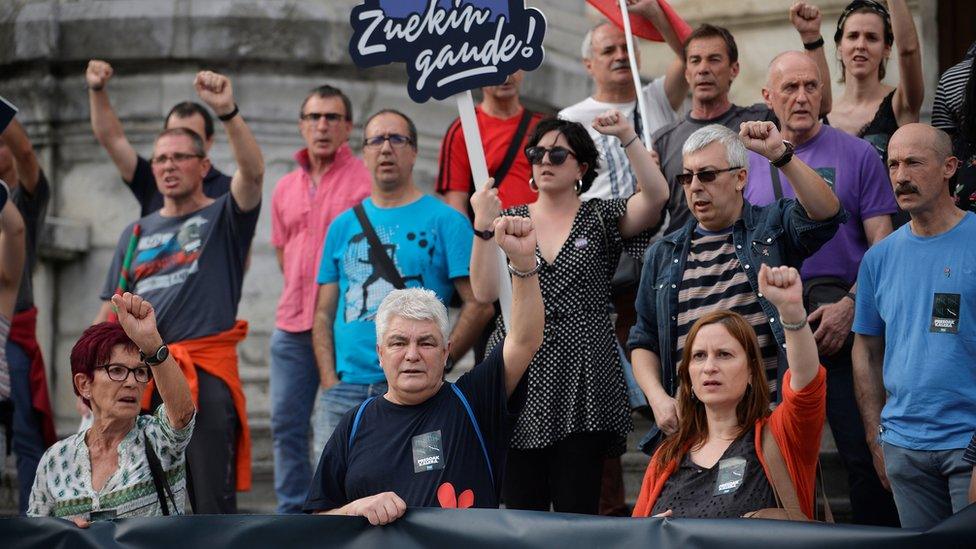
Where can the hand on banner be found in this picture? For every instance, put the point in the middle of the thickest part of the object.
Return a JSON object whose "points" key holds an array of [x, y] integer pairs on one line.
{"points": [[80, 522], [667, 514], [98, 74], [762, 138], [806, 20], [383, 508], [614, 123], [516, 237], [486, 205], [215, 90]]}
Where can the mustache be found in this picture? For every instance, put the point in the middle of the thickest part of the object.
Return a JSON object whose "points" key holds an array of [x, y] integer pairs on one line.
{"points": [[620, 65], [905, 187]]}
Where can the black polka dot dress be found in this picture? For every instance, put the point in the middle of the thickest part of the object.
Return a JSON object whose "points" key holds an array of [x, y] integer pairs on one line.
{"points": [[575, 381]]}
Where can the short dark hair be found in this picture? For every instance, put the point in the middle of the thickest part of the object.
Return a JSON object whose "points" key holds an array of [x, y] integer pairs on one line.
{"points": [[194, 136], [187, 109], [579, 141], [325, 91], [706, 30], [94, 348], [411, 127]]}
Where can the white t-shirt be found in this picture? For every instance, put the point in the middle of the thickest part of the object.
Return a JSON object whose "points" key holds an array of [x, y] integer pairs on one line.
{"points": [[614, 178]]}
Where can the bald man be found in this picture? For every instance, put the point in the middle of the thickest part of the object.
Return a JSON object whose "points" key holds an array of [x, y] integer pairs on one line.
{"points": [[794, 91], [914, 371]]}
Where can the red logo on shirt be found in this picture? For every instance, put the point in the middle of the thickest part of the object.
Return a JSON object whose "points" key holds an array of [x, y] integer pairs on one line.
{"points": [[448, 500]]}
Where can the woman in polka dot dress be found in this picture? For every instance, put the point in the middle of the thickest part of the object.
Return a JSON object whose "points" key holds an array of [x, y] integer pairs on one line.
{"points": [[576, 411]]}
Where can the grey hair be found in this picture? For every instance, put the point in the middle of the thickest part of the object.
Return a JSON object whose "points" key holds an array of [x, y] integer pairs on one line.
{"points": [[735, 151], [413, 304], [587, 50]]}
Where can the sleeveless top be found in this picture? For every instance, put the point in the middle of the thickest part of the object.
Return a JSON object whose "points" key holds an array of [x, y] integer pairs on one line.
{"points": [[880, 129]]}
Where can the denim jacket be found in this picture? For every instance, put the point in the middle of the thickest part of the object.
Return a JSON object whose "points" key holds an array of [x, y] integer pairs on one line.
{"points": [[778, 234]]}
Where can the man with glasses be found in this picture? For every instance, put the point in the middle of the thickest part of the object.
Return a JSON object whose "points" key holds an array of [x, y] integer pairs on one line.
{"points": [[854, 172], [188, 259], [712, 261], [400, 237], [329, 179], [135, 170]]}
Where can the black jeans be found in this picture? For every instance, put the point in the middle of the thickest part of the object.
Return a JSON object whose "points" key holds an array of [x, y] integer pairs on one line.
{"points": [[566, 475], [871, 504]]}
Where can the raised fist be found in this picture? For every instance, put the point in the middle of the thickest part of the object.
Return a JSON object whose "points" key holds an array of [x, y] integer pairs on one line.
{"points": [[516, 237], [781, 286], [762, 138], [806, 20], [138, 319], [613, 122], [98, 74], [215, 90]]}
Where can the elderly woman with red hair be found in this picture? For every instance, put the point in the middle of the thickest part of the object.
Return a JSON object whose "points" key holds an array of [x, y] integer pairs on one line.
{"points": [[125, 464]]}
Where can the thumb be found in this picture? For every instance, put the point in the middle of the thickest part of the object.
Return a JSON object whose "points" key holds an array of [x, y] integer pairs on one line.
{"points": [[489, 183], [815, 315]]}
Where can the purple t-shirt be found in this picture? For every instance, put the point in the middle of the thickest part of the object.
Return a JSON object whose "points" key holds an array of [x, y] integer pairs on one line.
{"points": [[854, 171]]}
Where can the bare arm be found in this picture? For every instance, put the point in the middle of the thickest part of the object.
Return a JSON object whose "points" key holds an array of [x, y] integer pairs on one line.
{"points": [[105, 123], [483, 272], [910, 93], [323, 344], [647, 372], [675, 85], [280, 256], [783, 288], [12, 256], [806, 20], [868, 361], [28, 170], [215, 89], [472, 320], [457, 200], [876, 228]]}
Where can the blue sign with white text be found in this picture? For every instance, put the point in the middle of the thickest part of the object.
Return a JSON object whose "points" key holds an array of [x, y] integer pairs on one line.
{"points": [[448, 46]]}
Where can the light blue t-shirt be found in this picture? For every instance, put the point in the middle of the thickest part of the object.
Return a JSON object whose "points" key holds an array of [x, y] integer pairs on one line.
{"points": [[920, 294], [430, 244]]}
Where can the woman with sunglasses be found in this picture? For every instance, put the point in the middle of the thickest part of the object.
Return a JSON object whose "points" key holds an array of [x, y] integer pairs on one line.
{"points": [[868, 108], [125, 464], [576, 411]]}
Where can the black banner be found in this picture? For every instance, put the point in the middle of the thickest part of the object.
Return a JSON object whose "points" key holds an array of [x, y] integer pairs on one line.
{"points": [[470, 529]]}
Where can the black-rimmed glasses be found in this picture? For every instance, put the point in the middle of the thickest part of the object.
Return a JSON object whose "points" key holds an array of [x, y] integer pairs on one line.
{"points": [[707, 176], [118, 372], [396, 140], [179, 158]]}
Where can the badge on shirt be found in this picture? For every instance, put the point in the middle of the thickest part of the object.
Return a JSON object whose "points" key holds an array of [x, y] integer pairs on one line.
{"points": [[730, 473], [945, 314], [829, 175], [428, 455]]}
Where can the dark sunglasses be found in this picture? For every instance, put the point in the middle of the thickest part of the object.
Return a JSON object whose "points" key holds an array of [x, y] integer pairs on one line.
{"points": [[557, 155], [330, 117], [707, 176]]}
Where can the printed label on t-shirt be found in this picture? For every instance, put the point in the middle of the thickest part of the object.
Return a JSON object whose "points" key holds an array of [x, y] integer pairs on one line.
{"points": [[730, 473], [829, 175], [427, 452], [945, 314]]}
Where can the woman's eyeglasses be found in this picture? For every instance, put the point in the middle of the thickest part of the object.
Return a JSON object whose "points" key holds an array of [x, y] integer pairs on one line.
{"points": [[118, 372], [557, 155], [707, 176]]}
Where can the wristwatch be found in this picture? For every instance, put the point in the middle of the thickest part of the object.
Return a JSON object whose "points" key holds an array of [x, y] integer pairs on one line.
{"points": [[158, 357], [487, 234], [784, 158]]}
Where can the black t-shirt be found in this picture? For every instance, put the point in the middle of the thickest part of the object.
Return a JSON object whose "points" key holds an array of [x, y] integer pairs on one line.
{"points": [[143, 186], [428, 454], [33, 208]]}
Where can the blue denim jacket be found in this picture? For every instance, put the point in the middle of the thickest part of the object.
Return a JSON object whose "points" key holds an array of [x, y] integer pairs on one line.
{"points": [[780, 233]]}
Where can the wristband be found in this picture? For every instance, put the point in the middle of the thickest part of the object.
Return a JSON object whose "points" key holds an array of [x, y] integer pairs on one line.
{"points": [[785, 158], [228, 116], [629, 142], [97, 88], [487, 234], [526, 274], [794, 326], [816, 44]]}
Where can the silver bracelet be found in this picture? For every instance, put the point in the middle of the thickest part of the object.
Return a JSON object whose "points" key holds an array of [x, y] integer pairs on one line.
{"points": [[792, 327], [526, 274]]}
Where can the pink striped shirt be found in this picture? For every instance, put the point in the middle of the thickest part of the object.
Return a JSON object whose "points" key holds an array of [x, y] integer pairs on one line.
{"points": [[300, 216]]}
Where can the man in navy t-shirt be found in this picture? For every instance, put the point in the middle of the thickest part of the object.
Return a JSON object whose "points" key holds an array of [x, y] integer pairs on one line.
{"points": [[427, 442]]}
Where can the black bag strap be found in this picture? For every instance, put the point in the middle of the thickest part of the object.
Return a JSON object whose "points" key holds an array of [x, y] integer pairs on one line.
{"points": [[159, 479], [777, 185], [380, 260], [513, 147]]}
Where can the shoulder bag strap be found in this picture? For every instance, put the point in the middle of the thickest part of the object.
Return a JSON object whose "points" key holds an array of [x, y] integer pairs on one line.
{"points": [[828, 514], [777, 185], [779, 476], [355, 420], [513, 148], [384, 263], [477, 429], [158, 478]]}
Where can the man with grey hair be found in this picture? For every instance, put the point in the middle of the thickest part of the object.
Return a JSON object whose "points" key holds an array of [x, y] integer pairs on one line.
{"points": [[427, 442], [712, 261], [916, 335]]}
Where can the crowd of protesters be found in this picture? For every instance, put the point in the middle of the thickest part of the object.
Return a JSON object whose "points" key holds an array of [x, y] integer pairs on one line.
{"points": [[745, 277]]}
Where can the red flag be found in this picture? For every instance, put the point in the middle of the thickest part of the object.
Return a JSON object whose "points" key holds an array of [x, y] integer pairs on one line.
{"points": [[640, 26]]}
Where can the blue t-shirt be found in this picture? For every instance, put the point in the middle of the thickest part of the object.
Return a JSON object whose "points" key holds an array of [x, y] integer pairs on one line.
{"points": [[430, 244], [920, 294]]}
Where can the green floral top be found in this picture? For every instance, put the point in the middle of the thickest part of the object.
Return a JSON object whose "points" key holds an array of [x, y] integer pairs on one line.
{"points": [[63, 486]]}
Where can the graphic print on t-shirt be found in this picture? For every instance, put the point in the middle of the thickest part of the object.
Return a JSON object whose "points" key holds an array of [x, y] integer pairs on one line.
{"points": [[367, 285], [829, 175], [428, 452], [159, 254], [945, 313]]}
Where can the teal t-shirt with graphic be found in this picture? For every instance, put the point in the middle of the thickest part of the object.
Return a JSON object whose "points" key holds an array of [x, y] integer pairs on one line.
{"points": [[430, 244]]}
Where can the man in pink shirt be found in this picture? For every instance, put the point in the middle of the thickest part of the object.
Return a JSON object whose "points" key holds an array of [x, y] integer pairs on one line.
{"points": [[328, 180]]}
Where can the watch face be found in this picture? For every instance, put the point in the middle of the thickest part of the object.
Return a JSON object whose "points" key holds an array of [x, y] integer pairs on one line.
{"points": [[162, 354]]}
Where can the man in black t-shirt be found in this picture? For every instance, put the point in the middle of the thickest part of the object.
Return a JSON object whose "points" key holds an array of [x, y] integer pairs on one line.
{"points": [[134, 169], [427, 442]]}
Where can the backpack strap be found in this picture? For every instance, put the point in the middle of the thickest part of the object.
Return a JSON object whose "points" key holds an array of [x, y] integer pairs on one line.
{"points": [[355, 421], [777, 185], [514, 147], [380, 260], [158, 477], [477, 429], [779, 477]]}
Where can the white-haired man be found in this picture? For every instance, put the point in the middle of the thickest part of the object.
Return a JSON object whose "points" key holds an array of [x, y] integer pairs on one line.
{"points": [[712, 261], [427, 442]]}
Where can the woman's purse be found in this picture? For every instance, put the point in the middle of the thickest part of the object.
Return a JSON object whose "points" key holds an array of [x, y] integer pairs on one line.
{"points": [[787, 504]]}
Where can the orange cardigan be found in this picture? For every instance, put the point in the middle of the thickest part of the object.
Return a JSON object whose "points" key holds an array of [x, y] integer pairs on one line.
{"points": [[217, 355], [796, 425]]}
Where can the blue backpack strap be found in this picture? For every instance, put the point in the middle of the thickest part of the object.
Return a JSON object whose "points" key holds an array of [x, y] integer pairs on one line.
{"points": [[477, 429], [355, 421]]}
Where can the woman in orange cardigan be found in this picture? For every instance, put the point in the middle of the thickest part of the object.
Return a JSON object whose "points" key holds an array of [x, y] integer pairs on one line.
{"points": [[713, 466]]}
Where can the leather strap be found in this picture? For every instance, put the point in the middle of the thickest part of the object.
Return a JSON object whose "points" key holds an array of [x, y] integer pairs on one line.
{"points": [[158, 477], [777, 185], [378, 257], [779, 477], [513, 148]]}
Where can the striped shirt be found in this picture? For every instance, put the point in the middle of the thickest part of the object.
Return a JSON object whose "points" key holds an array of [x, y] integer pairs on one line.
{"points": [[947, 105], [970, 455], [4, 368], [713, 280]]}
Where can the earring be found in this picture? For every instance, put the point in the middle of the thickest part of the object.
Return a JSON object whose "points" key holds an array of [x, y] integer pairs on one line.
{"points": [[532, 185], [694, 397], [579, 186]]}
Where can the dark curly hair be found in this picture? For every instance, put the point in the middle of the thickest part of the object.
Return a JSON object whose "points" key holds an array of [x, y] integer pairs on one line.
{"points": [[579, 141]]}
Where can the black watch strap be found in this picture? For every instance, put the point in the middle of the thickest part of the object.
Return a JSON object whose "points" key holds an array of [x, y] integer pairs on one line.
{"points": [[161, 354], [785, 158], [485, 235], [816, 44]]}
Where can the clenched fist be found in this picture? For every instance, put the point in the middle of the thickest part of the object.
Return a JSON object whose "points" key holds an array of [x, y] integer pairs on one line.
{"points": [[215, 90], [806, 20], [98, 74], [762, 138], [516, 237]]}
